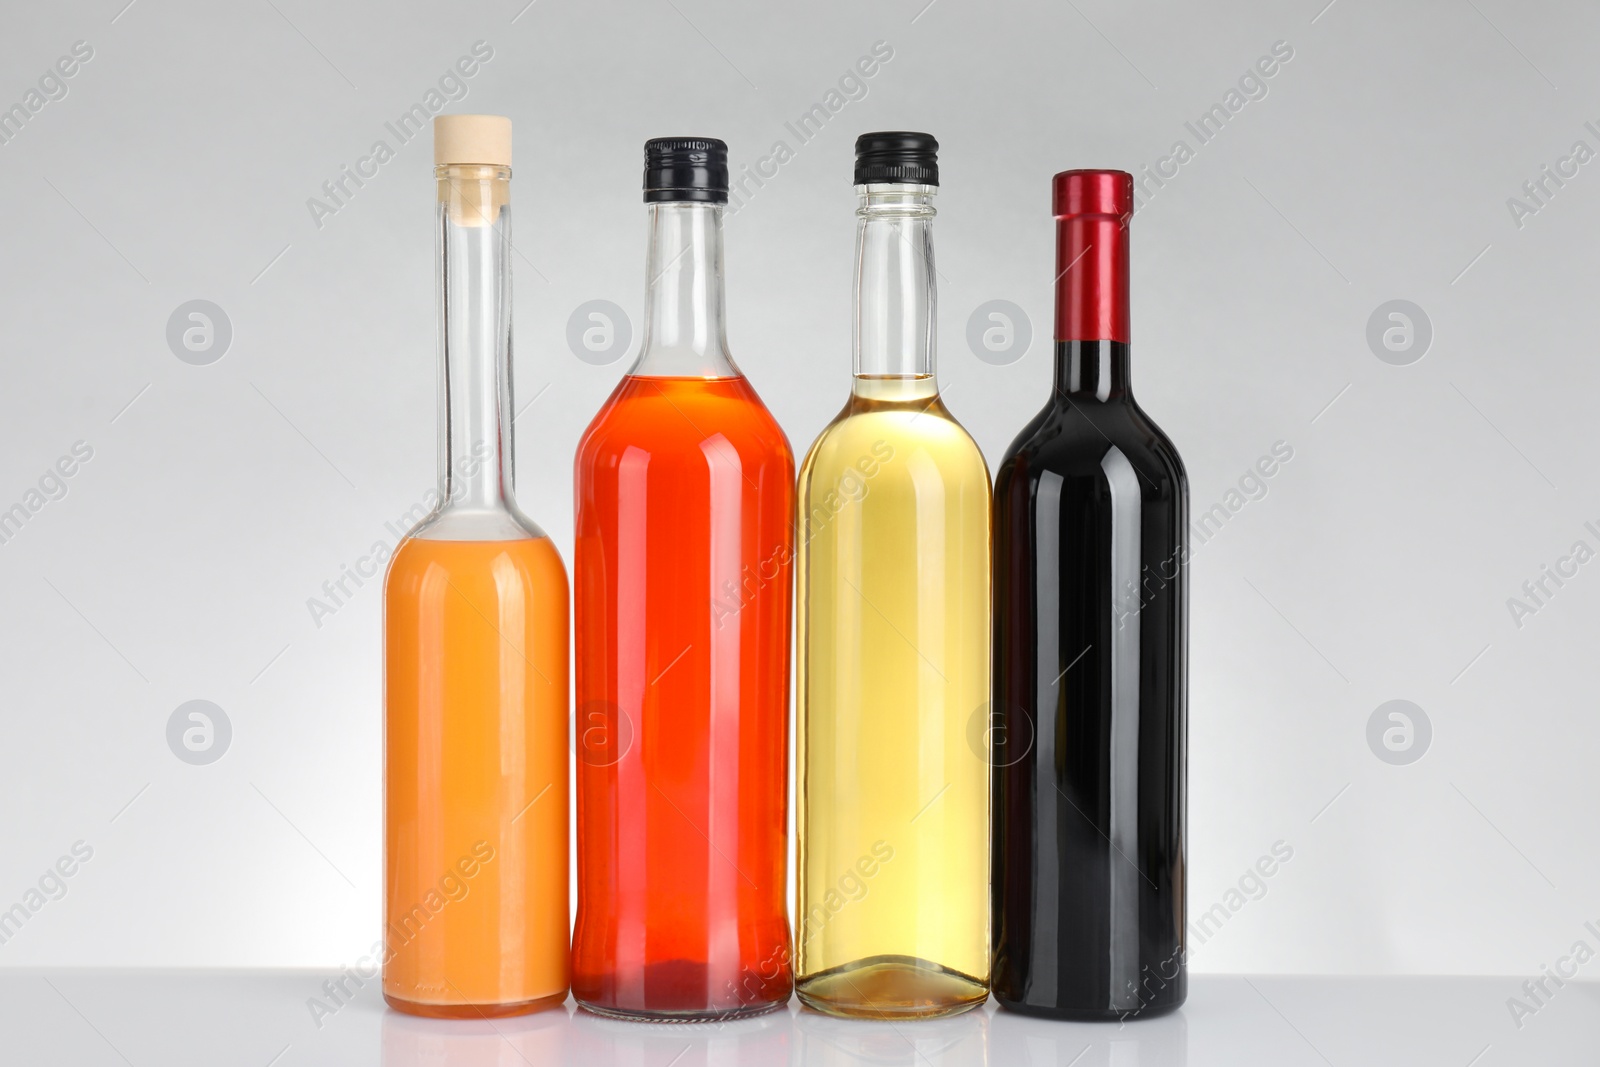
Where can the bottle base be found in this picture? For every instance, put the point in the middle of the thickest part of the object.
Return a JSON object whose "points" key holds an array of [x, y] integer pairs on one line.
{"points": [[709, 1015], [473, 1011], [1088, 1015], [681, 991], [891, 987]]}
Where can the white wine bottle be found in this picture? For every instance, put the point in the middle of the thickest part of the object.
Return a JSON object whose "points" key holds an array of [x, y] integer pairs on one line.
{"points": [[894, 644]]}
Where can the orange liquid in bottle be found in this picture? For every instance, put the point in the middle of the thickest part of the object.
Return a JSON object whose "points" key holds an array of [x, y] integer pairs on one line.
{"points": [[475, 886], [684, 540]]}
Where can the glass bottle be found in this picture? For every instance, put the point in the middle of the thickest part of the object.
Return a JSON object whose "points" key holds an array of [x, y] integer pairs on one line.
{"points": [[1091, 635], [684, 510], [475, 657], [894, 644]]}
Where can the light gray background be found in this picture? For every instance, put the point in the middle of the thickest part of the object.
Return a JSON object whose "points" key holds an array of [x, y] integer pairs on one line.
{"points": [[219, 498]]}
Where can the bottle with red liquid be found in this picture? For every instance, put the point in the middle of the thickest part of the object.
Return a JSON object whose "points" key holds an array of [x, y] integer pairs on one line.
{"points": [[684, 512]]}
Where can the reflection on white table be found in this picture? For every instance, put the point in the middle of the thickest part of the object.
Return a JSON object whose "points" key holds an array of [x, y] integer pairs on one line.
{"points": [[263, 1019]]}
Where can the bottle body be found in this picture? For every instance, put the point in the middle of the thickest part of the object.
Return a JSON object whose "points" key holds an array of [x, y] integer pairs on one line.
{"points": [[894, 615], [684, 545], [475, 891], [475, 660], [1090, 653]]}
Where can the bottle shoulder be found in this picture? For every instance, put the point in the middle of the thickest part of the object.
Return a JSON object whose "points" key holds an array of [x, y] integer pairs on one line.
{"points": [[680, 418], [473, 559], [866, 433], [455, 522], [1074, 439]]}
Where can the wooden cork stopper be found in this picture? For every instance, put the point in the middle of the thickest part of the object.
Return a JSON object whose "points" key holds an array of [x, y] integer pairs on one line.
{"points": [[483, 140]]}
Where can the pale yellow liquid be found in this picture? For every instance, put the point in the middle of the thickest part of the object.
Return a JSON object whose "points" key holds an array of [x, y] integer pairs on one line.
{"points": [[893, 815]]}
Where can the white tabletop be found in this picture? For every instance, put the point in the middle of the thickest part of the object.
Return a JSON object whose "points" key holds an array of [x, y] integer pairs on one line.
{"points": [[262, 1018]]}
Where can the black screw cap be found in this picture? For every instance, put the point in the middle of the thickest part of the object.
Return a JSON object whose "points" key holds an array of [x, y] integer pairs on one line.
{"points": [[897, 157], [686, 168]]}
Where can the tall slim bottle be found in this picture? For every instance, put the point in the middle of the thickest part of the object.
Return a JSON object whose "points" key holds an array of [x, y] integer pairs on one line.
{"points": [[685, 508], [894, 644], [475, 657], [1090, 633]]}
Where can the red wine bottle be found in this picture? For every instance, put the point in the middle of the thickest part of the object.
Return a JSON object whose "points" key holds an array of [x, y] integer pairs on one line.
{"points": [[1090, 642]]}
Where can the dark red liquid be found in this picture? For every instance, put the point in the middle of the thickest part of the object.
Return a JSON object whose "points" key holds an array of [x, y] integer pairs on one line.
{"points": [[1090, 591], [685, 492]]}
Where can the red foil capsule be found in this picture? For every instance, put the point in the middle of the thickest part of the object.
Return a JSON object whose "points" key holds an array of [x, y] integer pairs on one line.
{"points": [[1092, 208]]}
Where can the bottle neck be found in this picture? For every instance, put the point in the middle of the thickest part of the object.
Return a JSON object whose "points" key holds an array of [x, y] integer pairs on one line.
{"points": [[475, 466], [1092, 370], [685, 334], [895, 293], [1092, 306]]}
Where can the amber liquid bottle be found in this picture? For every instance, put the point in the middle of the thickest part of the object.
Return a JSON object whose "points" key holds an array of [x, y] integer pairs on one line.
{"points": [[684, 511], [1090, 643], [475, 659]]}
